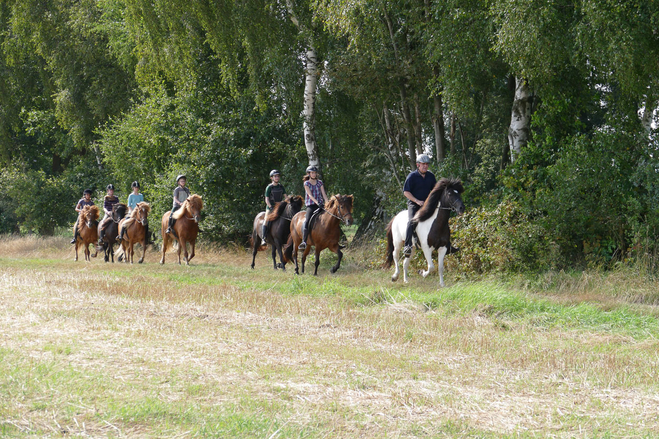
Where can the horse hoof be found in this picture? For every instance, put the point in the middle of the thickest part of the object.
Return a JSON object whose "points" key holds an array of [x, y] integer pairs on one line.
{"points": [[333, 270]]}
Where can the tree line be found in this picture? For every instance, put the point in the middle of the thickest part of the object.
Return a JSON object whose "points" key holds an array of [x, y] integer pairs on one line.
{"points": [[547, 105]]}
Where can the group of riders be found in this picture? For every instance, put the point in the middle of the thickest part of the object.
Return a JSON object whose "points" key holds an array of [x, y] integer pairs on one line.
{"points": [[181, 193], [418, 185]]}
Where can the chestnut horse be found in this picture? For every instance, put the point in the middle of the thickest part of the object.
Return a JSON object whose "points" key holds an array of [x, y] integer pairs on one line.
{"points": [[87, 230], [135, 226], [186, 228], [112, 231], [432, 228], [279, 220], [325, 231]]}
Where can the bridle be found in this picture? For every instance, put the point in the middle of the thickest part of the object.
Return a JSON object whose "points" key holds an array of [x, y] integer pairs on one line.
{"points": [[142, 219], [342, 218], [451, 206]]}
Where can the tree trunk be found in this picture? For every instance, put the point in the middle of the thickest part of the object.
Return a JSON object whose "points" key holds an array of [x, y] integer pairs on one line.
{"points": [[452, 135], [648, 113], [520, 119], [438, 126], [372, 224], [417, 126], [310, 81]]}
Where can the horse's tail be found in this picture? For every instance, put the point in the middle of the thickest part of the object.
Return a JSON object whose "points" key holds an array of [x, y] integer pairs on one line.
{"points": [[119, 253], [390, 245], [288, 250]]}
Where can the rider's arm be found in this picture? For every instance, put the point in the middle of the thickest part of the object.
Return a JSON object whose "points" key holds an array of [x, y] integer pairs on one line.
{"points": [[78, 208], [412, 198], [267, 196], [322, 191]]}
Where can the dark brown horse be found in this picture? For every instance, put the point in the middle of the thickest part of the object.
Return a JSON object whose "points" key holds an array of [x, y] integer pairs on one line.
{"points": [[112, 231], [87, 230], [186, 228], [325, 231], [135, 226], [279, 220]]}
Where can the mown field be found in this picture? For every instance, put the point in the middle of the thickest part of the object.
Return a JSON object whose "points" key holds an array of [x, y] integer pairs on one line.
{"points": [[219, 350]]}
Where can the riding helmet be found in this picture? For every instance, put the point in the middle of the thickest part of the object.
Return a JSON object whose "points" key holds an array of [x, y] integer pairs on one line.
{"points": [[180, 177], [423, 158], [312, 168], [110, 186], [87, 191], [274, 172], [135, 184]]}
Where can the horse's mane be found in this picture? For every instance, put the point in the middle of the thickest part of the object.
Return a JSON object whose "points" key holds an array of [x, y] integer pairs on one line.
{"points": [[194, 201], [119, 206], [277, 211], [83, 213], [140, 205], [435, 196], [335, 201]]}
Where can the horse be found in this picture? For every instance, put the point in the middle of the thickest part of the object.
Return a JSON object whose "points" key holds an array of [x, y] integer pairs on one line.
{"points": [[280, 228], [186, 228], [112, 231], [87, 230], [135, 226], [325, 231], [432, 228]]}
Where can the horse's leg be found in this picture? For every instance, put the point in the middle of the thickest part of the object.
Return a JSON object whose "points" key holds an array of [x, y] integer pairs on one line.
{"points": [[316, 262], [143, 249], [111, 251], [304, 255], [297, 268], [440, 264], [427, 252], [406, 265], [278, 246], [130, 251], [396, 251], [76, 258], [181, 243], [192, 245], [338, 263], [255, 250], [274, 255], [165, 242]]}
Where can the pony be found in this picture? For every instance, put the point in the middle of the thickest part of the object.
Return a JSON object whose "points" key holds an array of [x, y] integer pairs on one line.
{"points": [[112, 231], [325, 231], [87, 230], [279, 220], [135, 226], [185, 228], [432, 229]]}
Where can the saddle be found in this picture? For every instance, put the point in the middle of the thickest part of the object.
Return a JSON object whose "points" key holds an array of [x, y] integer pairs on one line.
{"points": [[314, 217]]}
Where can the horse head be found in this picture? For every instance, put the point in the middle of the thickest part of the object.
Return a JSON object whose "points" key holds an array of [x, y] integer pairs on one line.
{"points": [[90, 215], [451, 195], [340, 206], [142, 212], [194, 205], [295, 203], [118, 212]]}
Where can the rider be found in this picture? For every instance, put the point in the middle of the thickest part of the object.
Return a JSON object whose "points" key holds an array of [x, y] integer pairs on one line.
{"points": [[418, 186], [86, 200], [181, 193], [133, 199], [314, 199], [108, 204], [274, 193]]}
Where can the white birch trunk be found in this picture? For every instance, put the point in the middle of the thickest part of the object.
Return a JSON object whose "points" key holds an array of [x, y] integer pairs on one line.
{"points": [[311, 81], [520, 119], [647, 118]]}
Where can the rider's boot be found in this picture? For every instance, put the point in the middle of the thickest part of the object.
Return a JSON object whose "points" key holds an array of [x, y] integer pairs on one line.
{"points": [[305, 234], [264, 233], [407, 250], [170, 227], [75, 236]]}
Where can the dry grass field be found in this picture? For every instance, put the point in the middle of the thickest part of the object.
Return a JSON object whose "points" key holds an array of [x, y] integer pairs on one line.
{"points": [[219, 350]]}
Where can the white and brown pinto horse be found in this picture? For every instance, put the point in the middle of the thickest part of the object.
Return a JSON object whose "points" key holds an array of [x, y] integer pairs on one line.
{"points": [[432, 228]]}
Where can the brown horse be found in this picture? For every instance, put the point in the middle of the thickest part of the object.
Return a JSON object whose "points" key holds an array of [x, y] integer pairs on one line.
{"points": [[279, 220], [87, 230], [135, 226], [325, 231], [112, 231], [186, 228]]}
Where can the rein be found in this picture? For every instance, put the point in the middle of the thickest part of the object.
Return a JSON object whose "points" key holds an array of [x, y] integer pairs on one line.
{"points": [[342, 218]]}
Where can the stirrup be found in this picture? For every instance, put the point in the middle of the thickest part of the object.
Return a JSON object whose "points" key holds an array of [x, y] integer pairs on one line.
{"points": [[302, 245], [263, 241], [169, 230], [407, 251], [73, 241]]}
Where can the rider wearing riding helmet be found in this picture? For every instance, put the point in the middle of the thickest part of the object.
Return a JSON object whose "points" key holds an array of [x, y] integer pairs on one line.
{"points": [[274, 193], [314, 199], [108, 204], [418, 185], [86, 200], [133, 199], [181, 193]]}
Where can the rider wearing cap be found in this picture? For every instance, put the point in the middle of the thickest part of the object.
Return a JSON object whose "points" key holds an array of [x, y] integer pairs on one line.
{"points": [[108, 204], [133, 199], [86, 200], [274, 193], [314, 199], [418, 186], [181, 193]]}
